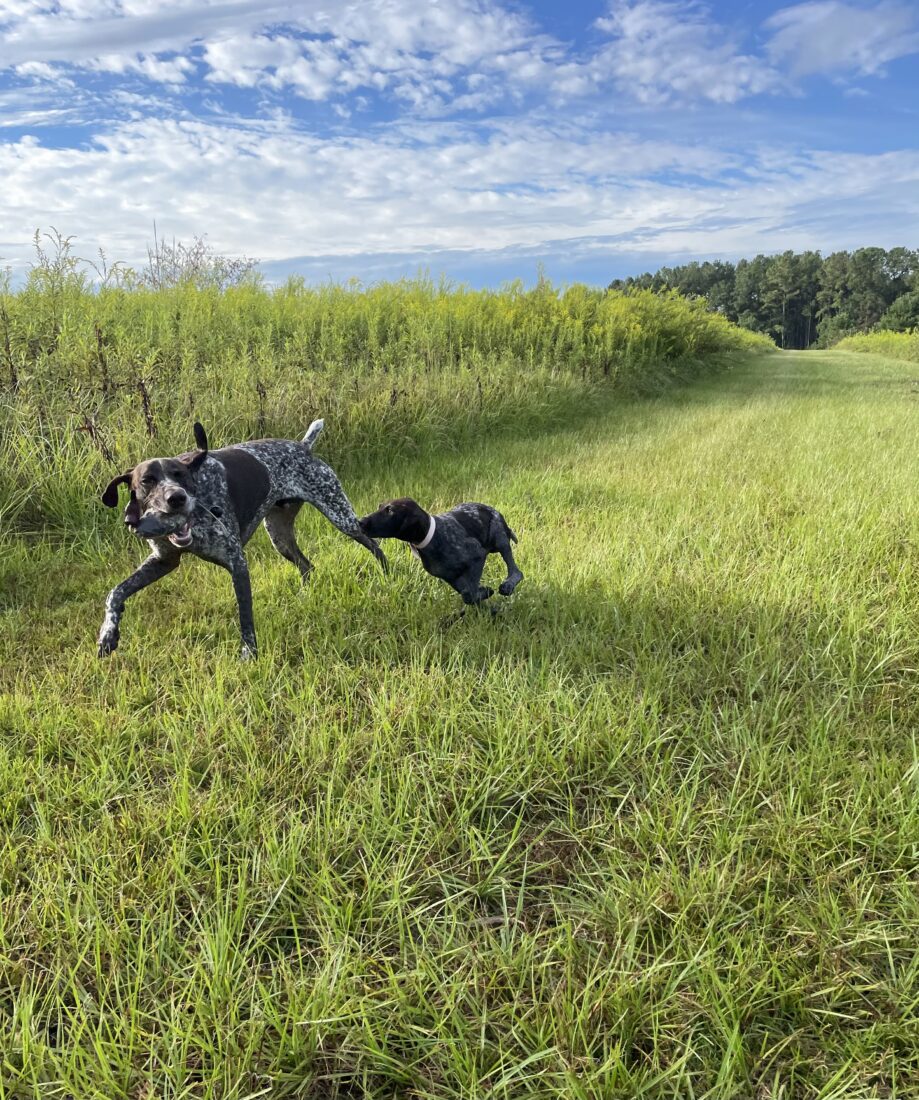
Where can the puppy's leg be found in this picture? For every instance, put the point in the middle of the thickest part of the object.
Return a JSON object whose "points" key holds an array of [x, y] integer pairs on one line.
{"points": [[514, 574], [279, 523], [149, 571], [468, 586], [242, 586], [498, 541], [337, 509]]}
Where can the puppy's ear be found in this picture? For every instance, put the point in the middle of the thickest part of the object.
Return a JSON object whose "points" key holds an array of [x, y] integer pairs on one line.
{"points": [[201, 454], [110, 496]]}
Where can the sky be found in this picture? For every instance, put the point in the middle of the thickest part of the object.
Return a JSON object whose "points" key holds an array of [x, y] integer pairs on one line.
{"points": [[484, 140]]}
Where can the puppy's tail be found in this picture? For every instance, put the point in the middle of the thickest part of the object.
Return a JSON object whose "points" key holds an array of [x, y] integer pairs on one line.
{"points": [[312, 433], [507, 528]]}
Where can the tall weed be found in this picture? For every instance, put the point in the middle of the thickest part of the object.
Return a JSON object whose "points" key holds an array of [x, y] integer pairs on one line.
{"points": [[96, 377], [898, 345]]}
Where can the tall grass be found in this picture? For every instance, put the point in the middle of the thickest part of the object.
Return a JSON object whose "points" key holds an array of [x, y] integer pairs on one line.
{"points": [[94, 379], [898, 345]]}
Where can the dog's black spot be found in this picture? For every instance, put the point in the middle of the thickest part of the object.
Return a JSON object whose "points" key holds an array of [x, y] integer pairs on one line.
{"points": [[248, 482]]}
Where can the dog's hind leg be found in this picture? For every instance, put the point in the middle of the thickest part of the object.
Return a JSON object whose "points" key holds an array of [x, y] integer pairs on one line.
{"points": [[279, 523], [500, 543], [337, 509], [514, 573]]}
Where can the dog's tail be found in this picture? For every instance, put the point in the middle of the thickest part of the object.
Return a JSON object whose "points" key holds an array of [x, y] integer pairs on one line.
{"points": [[312, 433], [507, 528]]}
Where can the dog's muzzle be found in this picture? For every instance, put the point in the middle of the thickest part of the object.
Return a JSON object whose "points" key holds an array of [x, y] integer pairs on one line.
{"points": [[154, 525], [182, 537]]}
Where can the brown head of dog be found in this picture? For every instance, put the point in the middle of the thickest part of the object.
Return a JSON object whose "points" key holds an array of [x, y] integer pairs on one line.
{"points": [[162, 494]]}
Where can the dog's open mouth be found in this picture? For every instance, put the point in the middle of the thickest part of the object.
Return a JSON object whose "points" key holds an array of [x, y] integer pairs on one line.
{"points": [[181, 537]]}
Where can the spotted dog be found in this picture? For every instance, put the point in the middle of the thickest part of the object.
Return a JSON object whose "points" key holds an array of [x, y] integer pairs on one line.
{"points": [[452, 545], [209, 503]]}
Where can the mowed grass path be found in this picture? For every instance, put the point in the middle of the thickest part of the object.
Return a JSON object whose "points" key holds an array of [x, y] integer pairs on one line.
{"points": [[653, 831]]}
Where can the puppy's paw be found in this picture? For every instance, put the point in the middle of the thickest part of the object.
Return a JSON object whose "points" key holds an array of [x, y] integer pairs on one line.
{"points": [[507, 587]]}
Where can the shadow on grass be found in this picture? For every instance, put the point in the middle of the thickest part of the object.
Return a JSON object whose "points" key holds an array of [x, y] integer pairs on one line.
{"points": [[686, 642], [705, 644]]}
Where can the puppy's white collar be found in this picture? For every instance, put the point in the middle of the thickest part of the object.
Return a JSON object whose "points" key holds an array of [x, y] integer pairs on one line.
{"points": [[416, 546]]}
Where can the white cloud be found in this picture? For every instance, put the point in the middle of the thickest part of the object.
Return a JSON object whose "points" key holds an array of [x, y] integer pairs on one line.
{"points": [[663, 51], [275, 192], [162, 70], [827, 36], [38, 69], [412, 47], [425, 52]]}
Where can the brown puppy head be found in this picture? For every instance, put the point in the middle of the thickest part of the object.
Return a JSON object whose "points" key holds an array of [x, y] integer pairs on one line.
{"points": [[403, 519], [162, 494]]}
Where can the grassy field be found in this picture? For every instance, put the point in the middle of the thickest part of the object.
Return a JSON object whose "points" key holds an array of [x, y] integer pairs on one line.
{"points": [[653, 831]]}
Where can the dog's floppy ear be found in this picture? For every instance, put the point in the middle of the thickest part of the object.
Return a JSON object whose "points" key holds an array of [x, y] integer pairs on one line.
{"points": [[110, 496], [201, 454]]}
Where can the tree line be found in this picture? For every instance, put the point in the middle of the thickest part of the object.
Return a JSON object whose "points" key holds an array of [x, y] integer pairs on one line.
{"points": [[802, 298]]}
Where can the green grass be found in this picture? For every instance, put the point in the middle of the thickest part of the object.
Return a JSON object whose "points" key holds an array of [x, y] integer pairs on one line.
{"points": [[897, 345], [653, 831]]}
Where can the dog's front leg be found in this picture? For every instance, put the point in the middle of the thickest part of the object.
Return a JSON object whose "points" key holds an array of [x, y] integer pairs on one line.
{"points": [[149, 571], [242, 586], [467, 585]]}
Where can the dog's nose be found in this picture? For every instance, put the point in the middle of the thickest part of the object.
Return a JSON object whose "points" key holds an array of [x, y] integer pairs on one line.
{"points": [[176, 498]]}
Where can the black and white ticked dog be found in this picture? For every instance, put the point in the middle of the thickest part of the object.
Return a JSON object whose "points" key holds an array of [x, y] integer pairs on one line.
{"points": [[452, 545], [209, 503]]}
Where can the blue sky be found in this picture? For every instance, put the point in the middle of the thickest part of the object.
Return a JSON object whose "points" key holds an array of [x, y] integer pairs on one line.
{"points": [[482, 139]]}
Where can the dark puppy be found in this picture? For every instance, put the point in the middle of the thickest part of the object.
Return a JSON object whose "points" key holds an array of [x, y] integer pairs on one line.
{"points": [[452, 545], [209, 503]]}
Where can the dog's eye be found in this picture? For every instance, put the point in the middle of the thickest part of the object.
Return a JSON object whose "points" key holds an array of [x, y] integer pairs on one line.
{"points": [[388, 510], [148, 481]]}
